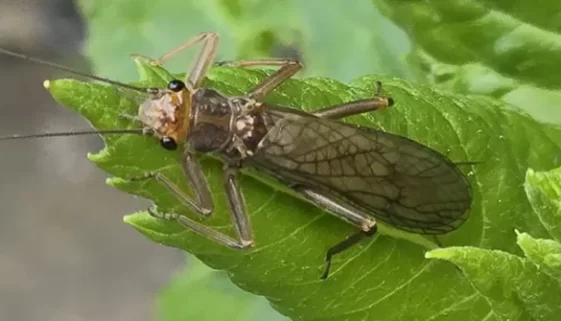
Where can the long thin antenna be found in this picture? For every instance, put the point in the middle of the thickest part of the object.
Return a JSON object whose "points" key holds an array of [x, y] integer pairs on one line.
{"points": [[137, 131], [468, 163], [72, 71]]}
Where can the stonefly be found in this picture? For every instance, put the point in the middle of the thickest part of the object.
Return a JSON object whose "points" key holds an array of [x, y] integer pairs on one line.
{"points": [[357, 174]]}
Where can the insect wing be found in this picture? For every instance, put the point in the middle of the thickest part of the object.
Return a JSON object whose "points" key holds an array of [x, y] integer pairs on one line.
{"points": [[399, 181]]}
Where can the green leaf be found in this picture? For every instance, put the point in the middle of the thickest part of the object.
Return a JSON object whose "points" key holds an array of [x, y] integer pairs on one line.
{"points": [[544, 192], [215, 298], [320, 34], [543, 104], [509, 50], [545, 254], [386, 278], [515, 288]]}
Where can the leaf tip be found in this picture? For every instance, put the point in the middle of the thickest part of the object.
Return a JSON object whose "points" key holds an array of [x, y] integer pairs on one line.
{"points": [[115, 181], [523, 240], [129, 219], [441, 253], [92, 157], [454, 254], [99, 157], [137, 219]]}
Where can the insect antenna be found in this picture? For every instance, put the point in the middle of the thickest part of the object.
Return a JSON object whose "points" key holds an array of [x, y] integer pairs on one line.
{"points": [[137, 131], [75, 72], [467, 163]]}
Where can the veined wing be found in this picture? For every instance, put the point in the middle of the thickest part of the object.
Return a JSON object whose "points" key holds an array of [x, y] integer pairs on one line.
{"points": [[397, 180]]}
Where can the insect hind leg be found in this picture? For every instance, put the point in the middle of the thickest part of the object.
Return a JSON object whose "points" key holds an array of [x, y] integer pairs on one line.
{"points": [[345, 212], [378, 102], [344, 245]]}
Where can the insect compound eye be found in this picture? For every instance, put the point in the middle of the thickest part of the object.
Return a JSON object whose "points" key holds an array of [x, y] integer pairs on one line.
{"points": [[168, 143], [176, 85]]}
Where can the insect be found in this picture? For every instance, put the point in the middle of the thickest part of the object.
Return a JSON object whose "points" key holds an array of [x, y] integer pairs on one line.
{"points": [[355, 173]]}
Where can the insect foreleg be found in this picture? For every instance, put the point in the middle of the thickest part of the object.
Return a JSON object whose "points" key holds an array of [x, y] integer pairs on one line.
{"points": [[288, 67], [202, 63], [202, 204]]}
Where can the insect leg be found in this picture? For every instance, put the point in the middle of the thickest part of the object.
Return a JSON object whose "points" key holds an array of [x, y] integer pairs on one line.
{"points": [[236, 203], [270, 62], [344, 245], [240, 219], [203, 203], [199, 228], [288, 67], [356, 107], [345, 212], [203, 61], [184, 46]]}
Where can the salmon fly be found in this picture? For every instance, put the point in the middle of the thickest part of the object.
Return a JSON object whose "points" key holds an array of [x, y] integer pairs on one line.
{"points": [[357, 174]]}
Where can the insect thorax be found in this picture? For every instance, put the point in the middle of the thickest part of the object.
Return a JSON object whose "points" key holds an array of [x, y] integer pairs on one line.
{"points": [[231, 126]]}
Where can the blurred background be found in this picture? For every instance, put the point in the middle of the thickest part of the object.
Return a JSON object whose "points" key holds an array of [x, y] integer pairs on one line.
{"points": [[65, 253]]}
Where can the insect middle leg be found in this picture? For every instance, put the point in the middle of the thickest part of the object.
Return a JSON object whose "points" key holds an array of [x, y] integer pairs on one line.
{"points": [[288, 68], [345, 212], [203, 203]]}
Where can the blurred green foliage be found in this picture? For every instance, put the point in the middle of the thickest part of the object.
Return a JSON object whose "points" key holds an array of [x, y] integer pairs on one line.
{"points": [[521, 288], [510, 50], [336, 40], [455, 46], [203, 294]]}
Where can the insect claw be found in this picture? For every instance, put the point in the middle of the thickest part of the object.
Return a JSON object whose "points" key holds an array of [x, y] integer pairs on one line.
{"points": [[146, 176], [222, 63], [247, 244], [390, 101], [155, 213], [368, 226], [140, 56], [378, 88]]}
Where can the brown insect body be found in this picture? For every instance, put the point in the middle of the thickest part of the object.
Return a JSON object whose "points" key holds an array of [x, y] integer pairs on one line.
{"points": [[167, 114], [206, 121], [373, 171]]}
